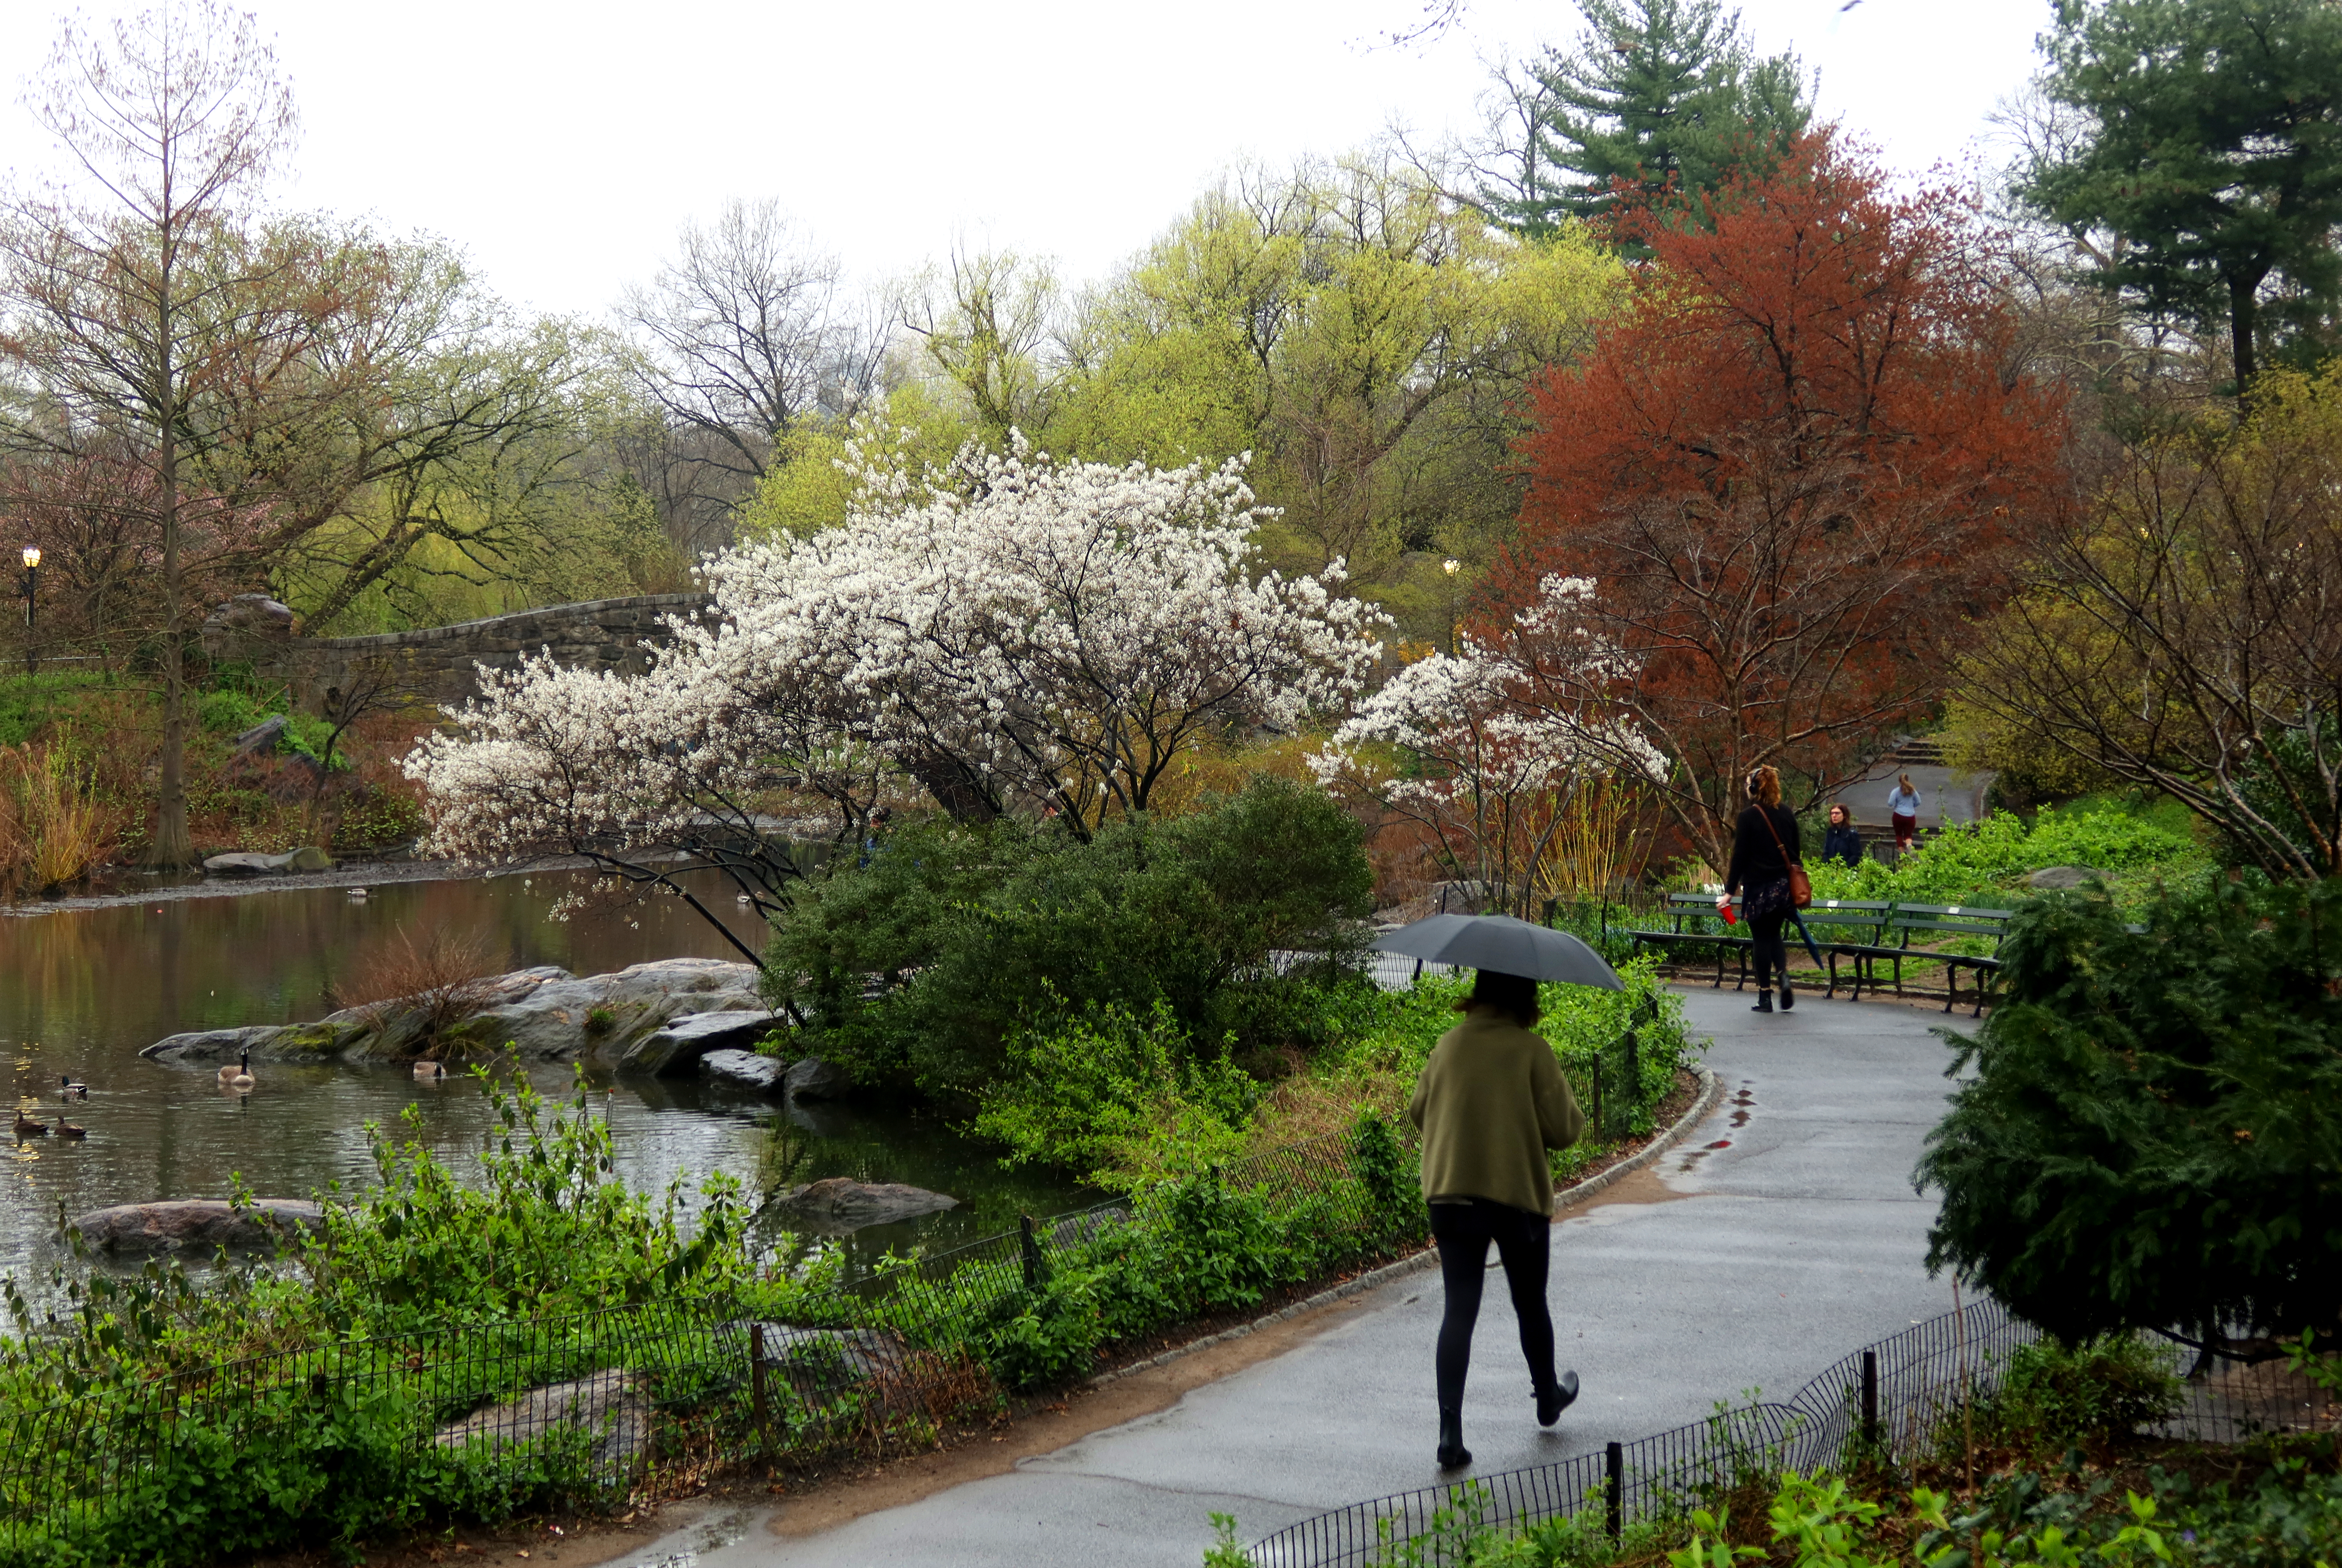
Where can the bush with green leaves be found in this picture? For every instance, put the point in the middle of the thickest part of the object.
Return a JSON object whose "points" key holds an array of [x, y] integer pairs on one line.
{"points": [[924, 963], [1988, 860], [2153, 1136], [2053, 1397]]}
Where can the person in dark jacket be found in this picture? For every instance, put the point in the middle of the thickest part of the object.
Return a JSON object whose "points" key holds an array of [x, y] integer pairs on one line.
{"points": [[1842, 842], [1764, 846]]}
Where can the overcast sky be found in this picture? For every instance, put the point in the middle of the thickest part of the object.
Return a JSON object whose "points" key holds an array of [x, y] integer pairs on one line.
{"points": [[561, 145]]}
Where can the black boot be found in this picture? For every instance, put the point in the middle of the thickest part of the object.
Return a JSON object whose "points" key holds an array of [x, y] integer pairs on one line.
{"points": [[1552, 1402], [1789, 997], [1453, 1454], [1763, 1000]]}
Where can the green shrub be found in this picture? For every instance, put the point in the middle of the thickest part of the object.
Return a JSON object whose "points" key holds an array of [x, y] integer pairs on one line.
{"points": [[973, 936], [2153, 1137], [30, 705], [1970, 865], [2053, 1397]]}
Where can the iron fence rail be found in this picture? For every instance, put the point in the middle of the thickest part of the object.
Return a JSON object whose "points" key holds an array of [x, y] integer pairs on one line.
{"points": [[1897, 1398]]}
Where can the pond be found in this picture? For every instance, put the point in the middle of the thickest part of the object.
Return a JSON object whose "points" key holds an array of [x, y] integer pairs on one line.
{"points": [[83, 990]]}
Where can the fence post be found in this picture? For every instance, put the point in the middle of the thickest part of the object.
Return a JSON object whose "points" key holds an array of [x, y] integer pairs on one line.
{"points": [[1613, 1489], [1870, 1398], [1032, 1248]]}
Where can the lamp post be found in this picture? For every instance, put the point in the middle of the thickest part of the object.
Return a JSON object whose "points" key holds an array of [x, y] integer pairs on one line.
{"points": [[32, 585]]}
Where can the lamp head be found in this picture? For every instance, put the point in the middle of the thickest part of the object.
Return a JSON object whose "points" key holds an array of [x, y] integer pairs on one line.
{"points": [[31, 556], [1451, 565]]}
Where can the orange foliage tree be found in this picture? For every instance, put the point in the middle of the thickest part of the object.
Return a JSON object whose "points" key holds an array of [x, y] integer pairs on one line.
{"points": [[1791, 467]]}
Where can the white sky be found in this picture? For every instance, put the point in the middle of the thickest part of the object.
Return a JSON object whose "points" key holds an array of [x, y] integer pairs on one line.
{"points": [[562, 145]]}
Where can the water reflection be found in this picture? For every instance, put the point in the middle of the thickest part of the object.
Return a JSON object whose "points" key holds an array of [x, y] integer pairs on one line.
{"points": [[82, 991]]}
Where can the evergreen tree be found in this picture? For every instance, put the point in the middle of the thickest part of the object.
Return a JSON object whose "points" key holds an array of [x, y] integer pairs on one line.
{"points": [[2215, 156], [1656, 92]]}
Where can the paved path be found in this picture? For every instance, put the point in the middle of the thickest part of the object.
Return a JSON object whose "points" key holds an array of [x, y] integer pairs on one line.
{"points": [[1799, 1241]]}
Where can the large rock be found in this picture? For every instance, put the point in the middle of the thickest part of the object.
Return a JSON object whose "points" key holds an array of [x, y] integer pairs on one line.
{"points": [[743, 1070], [260, 739], [814, 1079], [673, 1051], [2059, 878], [194, 1223], [840, 1204], [613, 1405], [546, 1013], [820, 1362], [248, 862]]}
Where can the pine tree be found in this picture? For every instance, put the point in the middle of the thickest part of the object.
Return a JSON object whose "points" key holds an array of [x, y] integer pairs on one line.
{"points": [[1656, 92]]}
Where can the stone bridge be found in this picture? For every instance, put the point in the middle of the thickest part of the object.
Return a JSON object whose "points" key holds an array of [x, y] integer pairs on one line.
{"points": [[439, 664]]}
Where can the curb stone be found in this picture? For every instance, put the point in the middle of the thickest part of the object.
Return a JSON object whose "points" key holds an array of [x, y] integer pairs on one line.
{"points": [[1711, 1092]]}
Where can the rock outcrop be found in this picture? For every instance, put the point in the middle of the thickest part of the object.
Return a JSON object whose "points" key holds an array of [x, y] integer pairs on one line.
{"points": [[248, 862], [814, 1079], [840, 1204], [200, 1224], [675, 1051], [546, 1013], [745, 1070], [613, 1405], [2056, 878]]}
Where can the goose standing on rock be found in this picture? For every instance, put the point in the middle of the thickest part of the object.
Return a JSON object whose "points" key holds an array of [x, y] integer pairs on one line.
{"points": [[240, 1075], [28, 1128], [69, 1090]]}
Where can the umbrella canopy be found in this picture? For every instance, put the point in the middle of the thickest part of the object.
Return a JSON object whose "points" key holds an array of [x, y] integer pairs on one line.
{"points": [[1503, 943]]}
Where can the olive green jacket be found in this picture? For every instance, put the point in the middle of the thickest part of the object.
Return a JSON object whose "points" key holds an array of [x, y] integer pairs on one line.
{"points": [[1490, 1103]]}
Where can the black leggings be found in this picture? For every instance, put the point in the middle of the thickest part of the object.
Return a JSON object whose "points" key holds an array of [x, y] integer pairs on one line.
{"points": [[1463, 1232], [1768, 948]]}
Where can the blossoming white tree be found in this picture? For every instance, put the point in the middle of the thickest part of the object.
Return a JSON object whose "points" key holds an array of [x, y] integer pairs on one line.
{"points": [[1022, 634], [1484, 748]]}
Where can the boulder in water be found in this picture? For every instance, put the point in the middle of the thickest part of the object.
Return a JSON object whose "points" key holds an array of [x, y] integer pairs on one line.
{"points": [[181, 1224], [675, 1050], [840, 1204], [745, 1070], [814, 1079]]}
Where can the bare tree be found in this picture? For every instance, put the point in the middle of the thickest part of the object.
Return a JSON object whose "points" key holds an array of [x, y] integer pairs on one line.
{"points": [[131, 293], [990, 324], [738, 338]]}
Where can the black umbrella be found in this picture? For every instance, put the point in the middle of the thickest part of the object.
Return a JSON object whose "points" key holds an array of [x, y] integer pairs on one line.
{"points": [[1800, 919], [1504, 944]]}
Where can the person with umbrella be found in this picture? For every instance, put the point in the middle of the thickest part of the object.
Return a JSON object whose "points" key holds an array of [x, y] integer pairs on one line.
{"points": [[1490, 1103], [1764, 847]]}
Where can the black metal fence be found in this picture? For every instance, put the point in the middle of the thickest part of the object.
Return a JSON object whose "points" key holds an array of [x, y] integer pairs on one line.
{"points": [[1895, 1399]]}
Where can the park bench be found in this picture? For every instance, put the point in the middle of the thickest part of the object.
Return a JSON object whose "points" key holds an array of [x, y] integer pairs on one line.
{"points": [[1690, 916], [1863, 924], [1942, 922]]}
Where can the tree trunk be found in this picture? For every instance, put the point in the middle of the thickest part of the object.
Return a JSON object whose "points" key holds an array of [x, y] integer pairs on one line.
{"points": [[2243, 307], [172, 849]]}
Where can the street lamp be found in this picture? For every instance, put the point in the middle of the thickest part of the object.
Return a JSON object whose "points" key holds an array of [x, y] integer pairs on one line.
{"points": [[32, 585]]}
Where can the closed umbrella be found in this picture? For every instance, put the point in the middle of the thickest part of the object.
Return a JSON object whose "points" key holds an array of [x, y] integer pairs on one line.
{"points": [[1504, 944]]}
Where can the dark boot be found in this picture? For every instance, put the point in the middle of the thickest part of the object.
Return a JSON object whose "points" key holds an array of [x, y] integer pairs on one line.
{"points": [[1789, 997], [1453, 1454], [1764, 1001], [1552, 1402]]}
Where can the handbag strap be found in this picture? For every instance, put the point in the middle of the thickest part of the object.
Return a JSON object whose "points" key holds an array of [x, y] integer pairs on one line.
{"points": [[1766, 812]]}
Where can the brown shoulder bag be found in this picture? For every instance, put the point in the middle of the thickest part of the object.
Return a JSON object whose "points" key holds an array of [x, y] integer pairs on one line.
{"points": [[1801, 886]]}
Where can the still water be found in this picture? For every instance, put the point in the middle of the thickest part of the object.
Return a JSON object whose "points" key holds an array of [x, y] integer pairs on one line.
{"points": [[83, 990]]}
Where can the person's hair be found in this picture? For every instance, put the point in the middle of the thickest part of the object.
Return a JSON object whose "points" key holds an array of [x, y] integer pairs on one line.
{"points": [[1765, 785], [1905, 779], [1514, 995], [1839, 807]]}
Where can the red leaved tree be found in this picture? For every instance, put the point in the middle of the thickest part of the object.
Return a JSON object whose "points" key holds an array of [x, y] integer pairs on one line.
{"points": [[1790, 467]]}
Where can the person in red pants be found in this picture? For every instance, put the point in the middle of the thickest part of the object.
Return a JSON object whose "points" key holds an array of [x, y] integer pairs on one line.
{"points": [[1903, 807], [1491, 1101]]}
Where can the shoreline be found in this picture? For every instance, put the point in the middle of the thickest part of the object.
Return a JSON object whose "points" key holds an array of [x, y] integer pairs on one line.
{"points": [[348, 873]]}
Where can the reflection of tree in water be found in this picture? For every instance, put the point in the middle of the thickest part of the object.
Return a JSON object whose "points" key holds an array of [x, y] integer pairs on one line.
{"points": [[918, 1148]]}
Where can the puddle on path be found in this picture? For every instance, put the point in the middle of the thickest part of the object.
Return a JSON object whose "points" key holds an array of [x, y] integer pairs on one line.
{"points": [[1743, 1103]]}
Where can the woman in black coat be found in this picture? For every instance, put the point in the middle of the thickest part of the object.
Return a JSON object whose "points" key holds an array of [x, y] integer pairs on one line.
{"points": [[1764, 846], [1842, 842]]}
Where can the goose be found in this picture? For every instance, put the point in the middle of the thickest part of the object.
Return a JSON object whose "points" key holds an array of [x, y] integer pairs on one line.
{"points": [[69, 1090], [240, 1075], [67, 1130], [430, 1072], [28, 1128]]}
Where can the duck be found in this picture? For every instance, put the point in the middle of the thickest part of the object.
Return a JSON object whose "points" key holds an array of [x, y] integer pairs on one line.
{"points": [[67, 1130], [430, 1072], [69, 1090], [359, 892], [28, 1128], [240, 1075]]}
